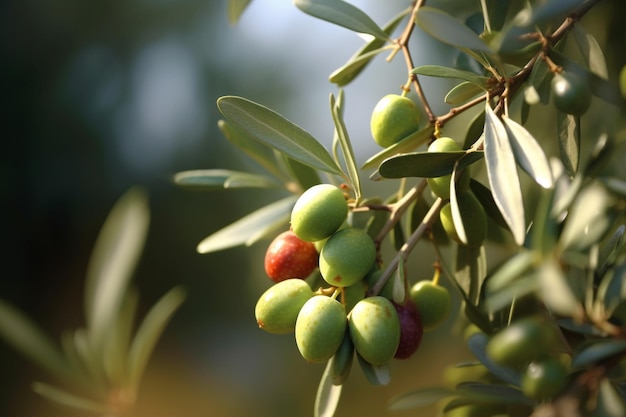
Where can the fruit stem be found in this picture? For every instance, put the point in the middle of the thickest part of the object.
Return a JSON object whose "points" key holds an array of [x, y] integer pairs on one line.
{"points": [[436, 273]]}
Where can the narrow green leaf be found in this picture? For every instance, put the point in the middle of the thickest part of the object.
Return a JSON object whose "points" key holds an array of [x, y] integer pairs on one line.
{"points": [[303, 175], [502, 174], [28, 340], [149, 332], [260, 153], [219, 179], [475, 130], [342, 14], [609, 250], [272, 129], [113, 261], [420, 398], [471, 270], [63, 397], [235, 8], [615, 185], [426, 164], [540, 82], [610, 401], [555, 291], [376, 374], [612, 289], [346, 146], [513, 268], [484, 195], [493, 393], [598, 351], [250, 228], [119, 339], [528, 153], [357, 63], [569, 140], [591, 51], [408, 144], [462, 93], [328, 394], [447, 72], [552, 9], [447, 29]]}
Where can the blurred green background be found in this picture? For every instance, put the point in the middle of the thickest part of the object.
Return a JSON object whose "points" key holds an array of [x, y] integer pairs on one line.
{"points": [[101, 96]]}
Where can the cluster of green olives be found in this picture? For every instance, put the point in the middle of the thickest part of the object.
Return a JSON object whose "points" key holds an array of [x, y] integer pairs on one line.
{"points": [[340, 319], [528, 344], [472, 212]]}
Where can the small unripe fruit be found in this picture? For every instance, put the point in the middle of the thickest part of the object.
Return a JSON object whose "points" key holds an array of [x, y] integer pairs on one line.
{"points": [[523, 341], [543, 379], [320, 328], [433, 302], [411, 329], [571, 93], [319, 212], [473, 216], [347, 257], [278, 307], [394, 117], [440, 186], [375, 329], [290, 257]]}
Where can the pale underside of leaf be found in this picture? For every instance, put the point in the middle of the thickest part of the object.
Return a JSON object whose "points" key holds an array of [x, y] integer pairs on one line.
{"points": [[250, 228], [215, 179], [502, 174], [328, 394]]}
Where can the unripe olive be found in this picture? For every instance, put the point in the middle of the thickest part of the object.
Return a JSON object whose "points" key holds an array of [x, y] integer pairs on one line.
{"points": [[433, 302], [375, 329], [319, 212], [543, 379], [320, 328], [394, 117], [571, 93], [278, 307], [346, 257], [288, 256], [440, 186], [473, 216], [411, 329], [352, 295], [523, 341]]}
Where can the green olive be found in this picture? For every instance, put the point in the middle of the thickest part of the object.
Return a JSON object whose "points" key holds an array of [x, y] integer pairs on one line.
{"points": [[278, 307], [473, 216], [375, 329], [320, 328], [347, 257], [433, 302], [440, 186], [571, 93], [394, 117], [543, 379], [319, 212]]}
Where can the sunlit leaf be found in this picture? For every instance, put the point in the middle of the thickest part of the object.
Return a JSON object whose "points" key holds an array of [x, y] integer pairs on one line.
{"points": [[407, 144], [462, 93], [591, 51], [597, 352], [260, 153], [447, 72], [502, 174], [235, 8], [113, 261], [426, 164], [470, 270], [346, 147], [528, 153], [610, 400], [342, 14], [328, 394], [419, 398], [28, 340], [250, 228], [272, 129], [376, 374], [119, 338], [149, 332], [65, 398], [554, 290], [218, 179], [357, 63], [569, 140]]}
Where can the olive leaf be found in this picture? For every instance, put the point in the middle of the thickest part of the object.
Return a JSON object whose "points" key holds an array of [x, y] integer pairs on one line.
{"points": [[250, 228], [272, 129], [346, 145], [218, 179], [502, 174], [63, 397], [426, 164], [569, 141], [591, 51], [407, 144], [343, 14], [471, 270], [447, 72], [598, 351], [303, 175], [419, 398], [462, 93], [328, 394]]}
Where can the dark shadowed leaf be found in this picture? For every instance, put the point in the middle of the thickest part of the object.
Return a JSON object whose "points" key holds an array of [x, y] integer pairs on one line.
{"points": [[598, 351], [328, 394], [502, 174], [112, 263], [591, 51], [470, 270], [420, 398], [609, 250], [528, 153], [408, 144], [612, 289], [569, 140], [357, 63], [149, 332], [250, 228], [343, 14], [426, 164], [447, 72], [484, 195], [552, 9], [272, 129], [219, 179], [493, 393], [235, 8]]}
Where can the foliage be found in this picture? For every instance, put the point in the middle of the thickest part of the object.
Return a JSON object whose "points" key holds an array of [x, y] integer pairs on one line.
{"points": [[562, 231]]}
